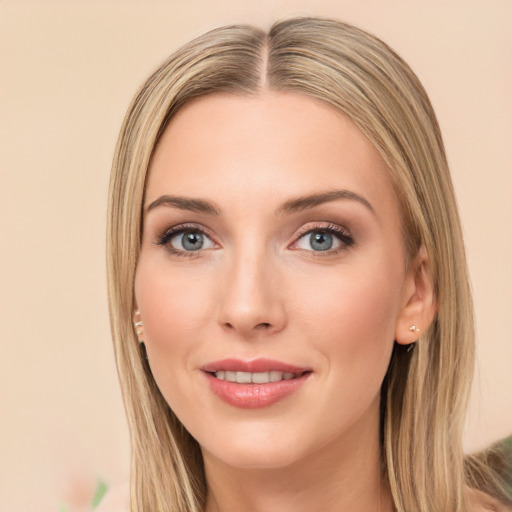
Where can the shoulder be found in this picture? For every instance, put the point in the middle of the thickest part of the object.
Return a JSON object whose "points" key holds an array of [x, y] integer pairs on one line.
{"points": [[116, 499], [479, 501]]}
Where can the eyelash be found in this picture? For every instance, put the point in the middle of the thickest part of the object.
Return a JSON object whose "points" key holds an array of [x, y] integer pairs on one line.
{"points": [[343, 235]]}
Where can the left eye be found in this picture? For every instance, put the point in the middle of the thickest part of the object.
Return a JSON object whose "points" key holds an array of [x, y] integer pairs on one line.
{"points": [[324, 239], [192, 240]]}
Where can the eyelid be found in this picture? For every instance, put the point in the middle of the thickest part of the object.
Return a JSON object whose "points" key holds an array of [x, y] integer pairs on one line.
{"points": [[164, 237], [340, 232], [319, 226], [343, 235]]}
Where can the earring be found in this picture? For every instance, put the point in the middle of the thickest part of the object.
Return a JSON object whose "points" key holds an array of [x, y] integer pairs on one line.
{"points": [[137, 323], [411, 346], [138, 326]]}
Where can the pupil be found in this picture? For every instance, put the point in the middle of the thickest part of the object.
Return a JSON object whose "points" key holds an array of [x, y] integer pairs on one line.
{"points": [[321, 241], [192, 241]]}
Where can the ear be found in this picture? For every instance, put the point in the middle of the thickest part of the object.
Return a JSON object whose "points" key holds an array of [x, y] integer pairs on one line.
{"points": [[419, 305]]}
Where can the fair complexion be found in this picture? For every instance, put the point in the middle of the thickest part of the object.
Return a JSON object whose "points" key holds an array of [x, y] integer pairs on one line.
{"points": [[327, 288]]}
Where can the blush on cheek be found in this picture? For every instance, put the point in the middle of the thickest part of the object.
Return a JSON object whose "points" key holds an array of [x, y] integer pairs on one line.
{"points": [[170, 304]]}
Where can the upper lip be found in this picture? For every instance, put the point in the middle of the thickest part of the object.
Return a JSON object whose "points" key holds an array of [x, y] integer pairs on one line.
{"points": [[253, 366]]}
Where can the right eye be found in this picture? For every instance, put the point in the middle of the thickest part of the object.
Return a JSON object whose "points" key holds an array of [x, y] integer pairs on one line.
{"points": [[185, 240]]}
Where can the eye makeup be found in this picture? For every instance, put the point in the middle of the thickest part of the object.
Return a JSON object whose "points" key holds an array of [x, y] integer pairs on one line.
{"points": [[166, 237], [341, 234], [320, 230]]}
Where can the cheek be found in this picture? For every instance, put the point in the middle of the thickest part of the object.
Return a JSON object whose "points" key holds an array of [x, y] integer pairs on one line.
{"points": [[174, 310], [360, 304], [170, 300], [351, 317]]}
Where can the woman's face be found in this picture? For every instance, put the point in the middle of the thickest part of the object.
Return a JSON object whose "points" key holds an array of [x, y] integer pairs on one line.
{"points": [[271, 247]]}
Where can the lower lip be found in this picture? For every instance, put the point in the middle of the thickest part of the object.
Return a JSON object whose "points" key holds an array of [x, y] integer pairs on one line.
{"points": [[254, 396]]}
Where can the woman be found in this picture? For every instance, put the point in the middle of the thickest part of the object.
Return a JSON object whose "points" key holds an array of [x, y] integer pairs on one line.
{"points": [[288, 287]]}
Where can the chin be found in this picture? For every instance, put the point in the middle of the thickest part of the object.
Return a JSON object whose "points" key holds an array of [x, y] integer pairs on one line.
{"points": [[248, 452], [256, 459]]}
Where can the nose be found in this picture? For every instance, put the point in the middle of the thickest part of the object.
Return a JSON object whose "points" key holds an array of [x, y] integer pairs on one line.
{"points": [[251, 303]]}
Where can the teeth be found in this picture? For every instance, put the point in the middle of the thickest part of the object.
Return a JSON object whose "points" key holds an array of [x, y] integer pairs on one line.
{"points": [[275, 376], [243, 377], [261, 378], [256, 378]]}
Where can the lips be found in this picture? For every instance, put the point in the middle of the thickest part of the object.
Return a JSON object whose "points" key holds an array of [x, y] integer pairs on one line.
{"points": [[256, 383], [254, 366]]}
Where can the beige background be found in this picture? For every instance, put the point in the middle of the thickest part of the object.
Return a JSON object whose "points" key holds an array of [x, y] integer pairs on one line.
{"points": [[67, 72]]}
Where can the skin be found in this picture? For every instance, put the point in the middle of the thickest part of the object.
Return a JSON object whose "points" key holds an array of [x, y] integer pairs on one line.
{"points": [[258, 288]]}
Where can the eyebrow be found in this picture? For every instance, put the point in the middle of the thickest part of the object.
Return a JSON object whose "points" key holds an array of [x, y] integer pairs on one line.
{"points": [[186, 203], [309, 201], [290, 206]]}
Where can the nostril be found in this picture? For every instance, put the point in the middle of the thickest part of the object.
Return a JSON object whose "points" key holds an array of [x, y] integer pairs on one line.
{"points": [[248, 326]]}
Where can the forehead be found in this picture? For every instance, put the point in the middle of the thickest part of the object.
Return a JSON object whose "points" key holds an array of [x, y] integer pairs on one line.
{"points": [[242, 149]]}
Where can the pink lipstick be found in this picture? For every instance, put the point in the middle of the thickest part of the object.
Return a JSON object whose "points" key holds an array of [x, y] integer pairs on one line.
{"points": [[256, 383]]}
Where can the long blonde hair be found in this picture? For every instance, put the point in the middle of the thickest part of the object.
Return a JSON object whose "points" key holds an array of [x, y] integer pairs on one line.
{"points": [[424, 395]]}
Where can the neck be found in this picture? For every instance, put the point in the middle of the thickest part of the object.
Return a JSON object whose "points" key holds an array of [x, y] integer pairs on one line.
{"points": [[343, 475]]}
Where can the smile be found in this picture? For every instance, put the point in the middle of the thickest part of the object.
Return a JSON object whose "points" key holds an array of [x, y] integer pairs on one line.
{"points": [[254, 378], [254, 384]]}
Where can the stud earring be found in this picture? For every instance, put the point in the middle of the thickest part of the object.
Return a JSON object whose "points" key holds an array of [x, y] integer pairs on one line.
{"points": [[411, 346], [137, 323], [138, 326]]}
